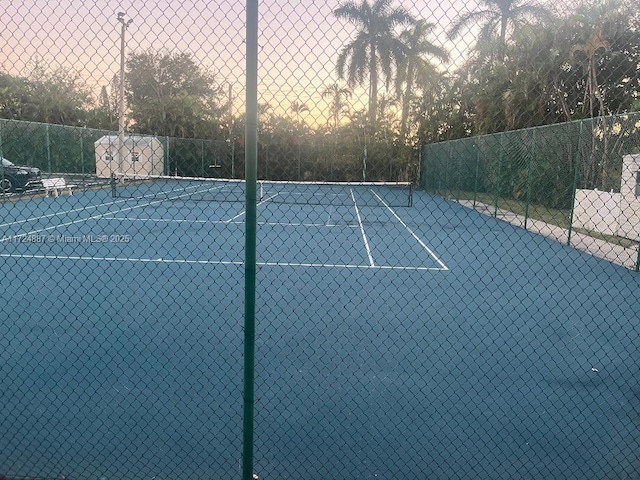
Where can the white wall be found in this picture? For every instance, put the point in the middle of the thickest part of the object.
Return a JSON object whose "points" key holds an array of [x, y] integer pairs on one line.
{"points": [[597, 211], [629, 221], [612, 213], [150, 157]]}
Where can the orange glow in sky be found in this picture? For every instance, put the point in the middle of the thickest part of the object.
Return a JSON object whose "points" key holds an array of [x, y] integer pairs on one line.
{"points": [[299, 42]]}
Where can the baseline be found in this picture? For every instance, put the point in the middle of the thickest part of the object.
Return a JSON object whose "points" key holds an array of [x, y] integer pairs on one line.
{"points": [[225, 222], [169, 261]]}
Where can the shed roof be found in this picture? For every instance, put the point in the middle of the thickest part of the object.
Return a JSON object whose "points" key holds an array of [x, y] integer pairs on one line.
{"points": [[129, 140]]}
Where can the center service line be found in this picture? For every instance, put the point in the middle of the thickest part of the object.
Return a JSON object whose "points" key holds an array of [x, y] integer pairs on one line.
{"points": [[433, 255], [364, 235]]}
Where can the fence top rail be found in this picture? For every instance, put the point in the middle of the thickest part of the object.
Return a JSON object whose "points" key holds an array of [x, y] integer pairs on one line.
{"points": [[631, 116]]}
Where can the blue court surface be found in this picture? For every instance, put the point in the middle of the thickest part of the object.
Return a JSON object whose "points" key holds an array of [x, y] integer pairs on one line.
{"points": [[392, 342]]}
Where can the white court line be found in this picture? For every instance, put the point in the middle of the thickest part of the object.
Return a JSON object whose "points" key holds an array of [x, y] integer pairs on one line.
{"points": [[241, 214], [86, 208], [154, 195], [444, 267], [63, 212], [364, 235], [95, 217], [329, 216], [162, 220], [187, 261], [225, 222]]}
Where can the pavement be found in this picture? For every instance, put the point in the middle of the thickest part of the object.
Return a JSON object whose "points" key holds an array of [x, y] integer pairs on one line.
{"points": [[617, 254]]}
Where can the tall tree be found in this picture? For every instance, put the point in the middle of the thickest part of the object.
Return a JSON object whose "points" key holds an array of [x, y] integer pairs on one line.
{"points": [[103, 115], [45, 95], [415, 68], [376, 47], [298, 108], [499, 16], [338, 106], [588, 55], [170, 94]]}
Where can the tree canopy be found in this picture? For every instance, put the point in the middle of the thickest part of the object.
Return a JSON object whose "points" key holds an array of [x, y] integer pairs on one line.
{"points": [[170, 94], [375, 47], [527, 68]]}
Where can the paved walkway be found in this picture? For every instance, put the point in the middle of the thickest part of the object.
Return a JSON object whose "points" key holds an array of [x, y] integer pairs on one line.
{"points": [[617, 254]]}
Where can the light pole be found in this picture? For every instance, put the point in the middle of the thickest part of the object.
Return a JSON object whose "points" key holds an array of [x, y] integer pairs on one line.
{"points": [[121, 95]]}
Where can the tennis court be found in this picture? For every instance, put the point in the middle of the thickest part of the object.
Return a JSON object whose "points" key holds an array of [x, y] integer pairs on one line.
{"points": [[396, 333]]}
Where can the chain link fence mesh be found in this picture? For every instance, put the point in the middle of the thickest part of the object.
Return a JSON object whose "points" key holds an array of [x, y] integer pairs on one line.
{"points": [[559, 180], [447, 240]]}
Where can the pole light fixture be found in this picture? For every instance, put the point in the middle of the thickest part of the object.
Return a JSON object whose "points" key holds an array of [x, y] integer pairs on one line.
{"points": [[124, 25]]}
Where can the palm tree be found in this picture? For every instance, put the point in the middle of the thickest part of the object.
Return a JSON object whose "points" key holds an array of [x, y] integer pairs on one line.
{"points": [[414, 68], [375, 47], [297, 108], [587, 56], [499, 15], [336, 94]]}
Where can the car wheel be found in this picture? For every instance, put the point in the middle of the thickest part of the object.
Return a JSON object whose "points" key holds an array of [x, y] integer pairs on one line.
{"points": [[6, 186]]}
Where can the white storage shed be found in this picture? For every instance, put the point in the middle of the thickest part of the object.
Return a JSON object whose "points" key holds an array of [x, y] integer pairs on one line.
{"points": [[141, 156]]}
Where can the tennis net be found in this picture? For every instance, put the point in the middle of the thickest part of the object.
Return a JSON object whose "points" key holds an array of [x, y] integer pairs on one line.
{"points": [[189, 189]]}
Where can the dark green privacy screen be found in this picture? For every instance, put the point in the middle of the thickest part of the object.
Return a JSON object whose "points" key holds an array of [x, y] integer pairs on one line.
{"points": [[445, 198]]}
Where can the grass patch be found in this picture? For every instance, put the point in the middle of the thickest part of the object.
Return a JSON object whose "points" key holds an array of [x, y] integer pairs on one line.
{"points": [[552, 216]]}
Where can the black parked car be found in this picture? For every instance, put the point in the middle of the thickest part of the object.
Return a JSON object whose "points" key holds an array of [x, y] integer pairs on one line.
{"points": [[14, 178]]}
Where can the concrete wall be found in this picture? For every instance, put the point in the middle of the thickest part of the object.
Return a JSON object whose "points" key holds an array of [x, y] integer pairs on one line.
{"points": [[612, 213], [629, 221], [597, 211]]}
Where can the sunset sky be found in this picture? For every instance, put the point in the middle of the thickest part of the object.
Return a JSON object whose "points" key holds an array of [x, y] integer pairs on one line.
{"points": [[299, 40]]}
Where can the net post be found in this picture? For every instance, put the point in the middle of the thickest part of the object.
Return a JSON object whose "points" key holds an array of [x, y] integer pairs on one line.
{"points": [[112, 182]]}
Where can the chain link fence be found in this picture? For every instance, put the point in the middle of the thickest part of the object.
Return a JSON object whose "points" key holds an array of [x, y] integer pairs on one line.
{"points": [[577, 177], [446, 225]]}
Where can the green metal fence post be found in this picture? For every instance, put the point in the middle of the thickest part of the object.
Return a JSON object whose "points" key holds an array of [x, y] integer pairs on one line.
{"points": [[364, 164], [419, 172], [48, 148], [202, 168], [4, 194], [576, 175], [499, 177], [475, 180], [167, 167], [529, 177], [233, 159], [251, 169], [82, 154], [459, 176]]}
